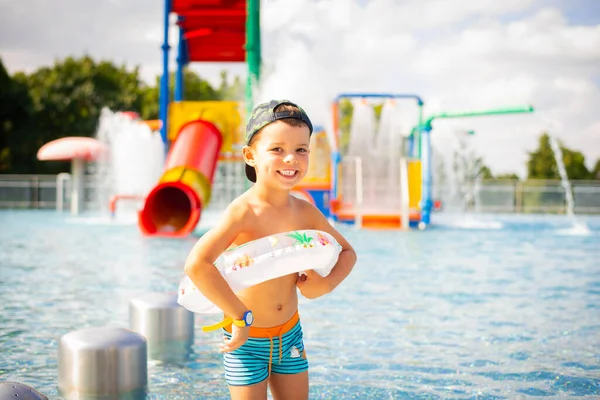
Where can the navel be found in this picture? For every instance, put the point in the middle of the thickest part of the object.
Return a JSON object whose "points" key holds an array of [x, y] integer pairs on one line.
{"points": [[279, 307]]}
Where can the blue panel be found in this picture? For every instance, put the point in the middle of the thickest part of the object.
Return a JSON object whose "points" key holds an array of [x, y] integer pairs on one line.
{"points": [[321, 199]]}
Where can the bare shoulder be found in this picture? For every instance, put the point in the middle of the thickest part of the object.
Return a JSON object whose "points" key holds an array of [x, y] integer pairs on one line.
{"points": [[318, 221], [238, 211], [233, 221], [307, 210]]}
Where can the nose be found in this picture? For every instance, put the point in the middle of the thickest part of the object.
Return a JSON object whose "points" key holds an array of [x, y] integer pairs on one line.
{"points": [[290, 158]]}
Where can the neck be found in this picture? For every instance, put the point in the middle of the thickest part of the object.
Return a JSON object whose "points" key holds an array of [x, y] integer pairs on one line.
{"points": [[272, 196]]}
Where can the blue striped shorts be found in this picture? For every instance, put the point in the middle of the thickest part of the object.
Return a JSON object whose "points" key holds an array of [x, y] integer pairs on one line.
{"points": [[278, 350]]}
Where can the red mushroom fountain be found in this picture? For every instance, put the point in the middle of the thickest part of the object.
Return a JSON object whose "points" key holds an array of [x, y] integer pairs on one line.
{"points": [[78, 150]]}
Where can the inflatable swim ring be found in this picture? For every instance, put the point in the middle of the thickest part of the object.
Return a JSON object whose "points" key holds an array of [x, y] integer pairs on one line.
{"points": [[264, 259]]}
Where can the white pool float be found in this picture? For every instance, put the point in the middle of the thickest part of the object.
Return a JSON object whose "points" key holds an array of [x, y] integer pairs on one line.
{"points": [[264, 259]]}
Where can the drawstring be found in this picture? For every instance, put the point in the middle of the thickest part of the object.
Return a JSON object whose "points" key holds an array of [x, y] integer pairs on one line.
{"points": [[270, 353], [271, 349]]}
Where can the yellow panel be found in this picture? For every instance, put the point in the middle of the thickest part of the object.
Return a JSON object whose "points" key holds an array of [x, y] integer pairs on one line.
{"points": [[319, 166], [414, 183], [225, 115], [192, 178]]}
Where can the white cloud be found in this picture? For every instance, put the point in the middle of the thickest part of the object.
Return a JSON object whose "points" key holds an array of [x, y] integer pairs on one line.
{"points": [[460, 54], [540, 61]]}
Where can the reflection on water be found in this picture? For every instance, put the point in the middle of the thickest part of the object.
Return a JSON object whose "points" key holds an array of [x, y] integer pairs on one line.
{"points": [[506, 310]]}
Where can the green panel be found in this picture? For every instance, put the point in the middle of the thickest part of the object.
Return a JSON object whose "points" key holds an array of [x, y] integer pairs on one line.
{"points": [[253, 51]]}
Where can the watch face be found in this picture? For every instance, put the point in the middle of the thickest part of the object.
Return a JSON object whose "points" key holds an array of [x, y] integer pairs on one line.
{"points": [[249, 318]]}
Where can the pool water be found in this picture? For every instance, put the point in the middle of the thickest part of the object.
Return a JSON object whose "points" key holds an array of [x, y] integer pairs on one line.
{"points": [[476, 307]]}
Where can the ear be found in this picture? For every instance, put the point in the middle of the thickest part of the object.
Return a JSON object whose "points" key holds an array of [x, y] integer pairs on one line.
{"points": [[249, 156]]}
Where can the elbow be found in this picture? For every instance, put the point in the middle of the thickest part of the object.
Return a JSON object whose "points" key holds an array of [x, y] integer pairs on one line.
{"points": [[189, 269], [197, 267], [352, 257]]}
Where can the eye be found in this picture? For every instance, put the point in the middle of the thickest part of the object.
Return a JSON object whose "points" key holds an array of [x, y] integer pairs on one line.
{"points": [[276, 149], [302, 150]]}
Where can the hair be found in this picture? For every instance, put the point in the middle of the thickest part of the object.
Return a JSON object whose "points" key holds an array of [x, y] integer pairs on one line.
{"points": [[296, 123]]}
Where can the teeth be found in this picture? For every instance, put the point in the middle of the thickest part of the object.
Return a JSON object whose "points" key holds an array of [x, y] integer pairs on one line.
{"points": [[288, 172]]}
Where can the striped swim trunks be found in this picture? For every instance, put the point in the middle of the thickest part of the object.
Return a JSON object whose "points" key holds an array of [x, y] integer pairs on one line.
{"points": [[279, 350]]}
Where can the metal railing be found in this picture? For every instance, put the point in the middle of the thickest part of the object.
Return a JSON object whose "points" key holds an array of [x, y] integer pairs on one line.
{"points": [[54, 191], [489, 196], [529, 196]]}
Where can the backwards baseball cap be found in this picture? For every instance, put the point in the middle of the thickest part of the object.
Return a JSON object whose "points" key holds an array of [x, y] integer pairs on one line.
{"points": [[262, 115]]}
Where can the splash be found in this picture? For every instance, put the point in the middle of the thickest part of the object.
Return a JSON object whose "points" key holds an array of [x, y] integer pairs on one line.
{"points": [[135, 161], [564, 179], [578, 229], [457, 171], [313, 51]]}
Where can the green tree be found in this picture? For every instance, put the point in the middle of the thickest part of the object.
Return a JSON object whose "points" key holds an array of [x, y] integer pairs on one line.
{"points": [[15, 121], [596, 171], [507, 177], [194, 89], [542, 163], [67, 99], [234, 91], [485, 172]]}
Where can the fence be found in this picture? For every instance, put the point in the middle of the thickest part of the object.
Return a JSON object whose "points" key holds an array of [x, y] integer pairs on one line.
{"points": [[530, 196], [502, 196], [53, 191]]}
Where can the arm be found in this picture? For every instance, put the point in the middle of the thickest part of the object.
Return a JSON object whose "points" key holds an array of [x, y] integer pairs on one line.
{"points": [[199, 264], [313, 285]]}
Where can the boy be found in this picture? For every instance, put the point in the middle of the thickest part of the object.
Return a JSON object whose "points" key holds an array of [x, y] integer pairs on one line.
{"points": [[264, 344]]}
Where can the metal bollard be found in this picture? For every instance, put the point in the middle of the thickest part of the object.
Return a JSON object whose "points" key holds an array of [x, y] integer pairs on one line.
{"points": [[103, 362], [167, 326], [16, 390]]}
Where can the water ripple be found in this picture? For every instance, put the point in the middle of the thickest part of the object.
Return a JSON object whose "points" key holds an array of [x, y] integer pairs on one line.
{"points": [[491, 310]]}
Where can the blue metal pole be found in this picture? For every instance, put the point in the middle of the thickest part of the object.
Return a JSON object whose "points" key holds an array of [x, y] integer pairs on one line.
{"points": [[411, 142], [164, 81], [181, 62], [426, 175], [411, 146]]}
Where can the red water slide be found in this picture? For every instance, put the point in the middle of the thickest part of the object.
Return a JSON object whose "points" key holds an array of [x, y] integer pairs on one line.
{"points": [[174, 206]]}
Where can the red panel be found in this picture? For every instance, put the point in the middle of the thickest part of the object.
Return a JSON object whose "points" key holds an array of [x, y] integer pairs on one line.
{"points": [[215, 29], [213, 48], [179, 6]]}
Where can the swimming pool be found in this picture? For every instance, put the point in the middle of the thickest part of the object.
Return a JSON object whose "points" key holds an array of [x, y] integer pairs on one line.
{"points": [[477, 307]]}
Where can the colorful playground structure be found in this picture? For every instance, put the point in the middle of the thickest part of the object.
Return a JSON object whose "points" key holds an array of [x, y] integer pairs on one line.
{"points": [[204, 134], [199, 132], [376, 180]]}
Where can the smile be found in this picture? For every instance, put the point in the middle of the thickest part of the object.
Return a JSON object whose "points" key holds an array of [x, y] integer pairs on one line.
{"points": [[288, 173]]}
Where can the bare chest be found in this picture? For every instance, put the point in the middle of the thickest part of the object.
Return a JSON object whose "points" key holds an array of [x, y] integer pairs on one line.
{"points": [[269, 223]]}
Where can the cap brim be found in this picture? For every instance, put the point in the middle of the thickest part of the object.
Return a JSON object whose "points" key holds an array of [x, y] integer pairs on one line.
{"points": [[250, 173]]}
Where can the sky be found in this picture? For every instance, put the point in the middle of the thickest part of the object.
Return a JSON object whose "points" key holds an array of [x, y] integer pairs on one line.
{"points": [[456, 55]]}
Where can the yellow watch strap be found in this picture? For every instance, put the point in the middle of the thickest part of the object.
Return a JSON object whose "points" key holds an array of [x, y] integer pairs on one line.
{"points": [[218, 325], [239, 322]]}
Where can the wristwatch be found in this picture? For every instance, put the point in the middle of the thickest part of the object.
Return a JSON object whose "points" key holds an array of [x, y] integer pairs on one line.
{"points": [[246, 320]]}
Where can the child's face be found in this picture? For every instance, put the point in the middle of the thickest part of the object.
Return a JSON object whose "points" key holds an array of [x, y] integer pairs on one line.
{"points": [[280, 154]]}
